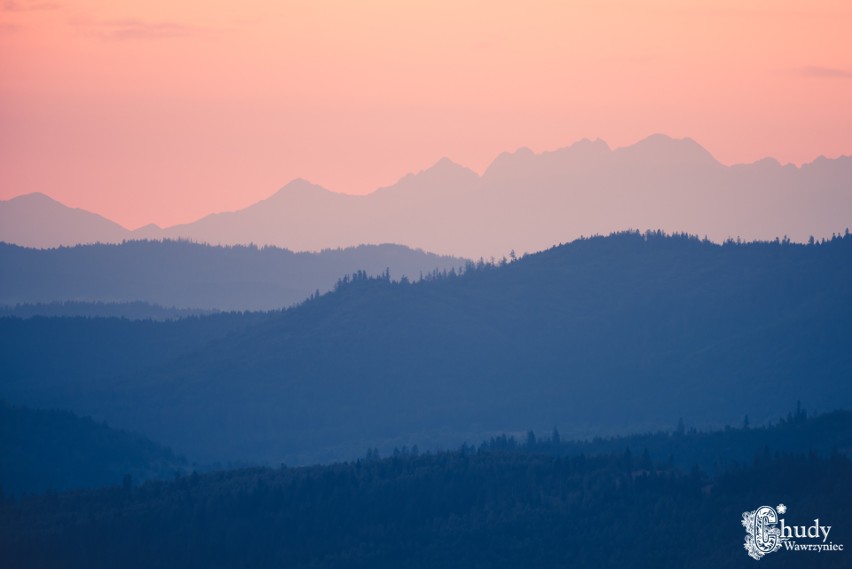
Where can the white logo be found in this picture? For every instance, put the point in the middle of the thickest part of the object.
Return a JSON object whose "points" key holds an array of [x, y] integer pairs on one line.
{"points": [[767, 533]]}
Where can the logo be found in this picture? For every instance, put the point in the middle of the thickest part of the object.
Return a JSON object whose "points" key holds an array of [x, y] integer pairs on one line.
{"points": [[766, 533]]}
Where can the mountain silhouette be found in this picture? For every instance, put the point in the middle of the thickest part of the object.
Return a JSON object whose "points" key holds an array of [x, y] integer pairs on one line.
{"points": [[603, 335], [526, 202], [192, 276], [36, 220]]}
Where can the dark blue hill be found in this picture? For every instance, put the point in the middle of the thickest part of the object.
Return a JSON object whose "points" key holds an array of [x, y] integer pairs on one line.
{"points": [[620, 333]]}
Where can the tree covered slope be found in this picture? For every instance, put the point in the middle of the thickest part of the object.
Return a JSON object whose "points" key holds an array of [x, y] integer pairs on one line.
{"points": [[619, 333]]}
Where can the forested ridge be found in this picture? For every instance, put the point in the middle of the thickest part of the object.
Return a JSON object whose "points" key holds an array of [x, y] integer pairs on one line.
{"points": [[606, 335], [505, 503]]}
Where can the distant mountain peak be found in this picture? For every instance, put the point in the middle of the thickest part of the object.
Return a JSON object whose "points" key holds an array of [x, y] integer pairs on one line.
{"points": [[150, 231], [34, 197], [443, 166], [662, 148], [299, 184], [665, 142], [441, 175], [37, 220], [598, 143], [297, 187], [769, 161], [523, 161], [445, 162], [508, 161], [447, 167]]}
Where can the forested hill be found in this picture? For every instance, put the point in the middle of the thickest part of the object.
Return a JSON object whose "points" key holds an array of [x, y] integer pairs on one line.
{"points": [[602, 335], [57, 450], [498, 505]]}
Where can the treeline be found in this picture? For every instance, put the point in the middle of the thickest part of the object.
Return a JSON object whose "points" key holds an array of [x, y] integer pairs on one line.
{"points": [[649, 236], [712, 450], [498, 505]]}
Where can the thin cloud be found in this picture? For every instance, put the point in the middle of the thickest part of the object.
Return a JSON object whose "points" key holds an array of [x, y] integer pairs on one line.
{"points": [[14, 6], [6, 28], [134, 29], [817, 71]]}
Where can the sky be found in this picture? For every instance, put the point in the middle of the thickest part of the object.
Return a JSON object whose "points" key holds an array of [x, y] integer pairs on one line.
{"points": [[166, 110]]}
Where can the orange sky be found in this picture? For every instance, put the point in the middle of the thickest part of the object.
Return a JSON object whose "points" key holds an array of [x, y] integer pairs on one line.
{"points": [[163, 111]]}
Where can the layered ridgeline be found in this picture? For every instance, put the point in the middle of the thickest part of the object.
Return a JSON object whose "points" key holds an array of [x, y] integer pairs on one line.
{"points": [[504, 503], [57, 450], [523, 201], [627, 332], [187, 276]]}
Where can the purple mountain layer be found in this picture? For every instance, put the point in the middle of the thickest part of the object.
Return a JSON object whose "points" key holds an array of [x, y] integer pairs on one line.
{"points": [[523, 201]]}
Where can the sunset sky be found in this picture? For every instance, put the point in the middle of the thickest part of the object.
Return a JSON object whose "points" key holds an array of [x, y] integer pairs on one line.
{"points": [[164, 111]]}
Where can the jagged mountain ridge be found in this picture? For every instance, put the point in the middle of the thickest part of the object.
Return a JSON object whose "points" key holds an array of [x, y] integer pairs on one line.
{"points": [[527, 202]]}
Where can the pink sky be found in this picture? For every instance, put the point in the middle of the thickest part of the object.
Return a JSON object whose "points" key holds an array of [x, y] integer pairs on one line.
{"points": [[164, 111]]}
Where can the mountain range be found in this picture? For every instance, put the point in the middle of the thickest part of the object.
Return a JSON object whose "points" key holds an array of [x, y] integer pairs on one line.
{"points": [[524, 201], [616, 334]]}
